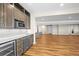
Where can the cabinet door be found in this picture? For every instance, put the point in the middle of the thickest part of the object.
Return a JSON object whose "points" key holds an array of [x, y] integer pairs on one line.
{"points": [[31, 40], [27, 20], [26, 43], [8, 11], [18, 14], [2, 21], [19, 46]]}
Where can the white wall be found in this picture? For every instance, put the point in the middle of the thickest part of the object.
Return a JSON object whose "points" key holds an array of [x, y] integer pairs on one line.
{"points": [[42, 29], [76, 28], [63, 29], [54, 29], [49, 29], [67, 29], [33, 27]]}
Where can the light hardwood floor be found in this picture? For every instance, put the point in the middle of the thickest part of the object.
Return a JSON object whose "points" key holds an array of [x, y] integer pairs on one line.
{"points": [[55, 45]]}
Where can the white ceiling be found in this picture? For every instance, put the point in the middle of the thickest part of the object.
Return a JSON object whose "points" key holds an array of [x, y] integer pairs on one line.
{"points": [[45, 12], [41, 8]]}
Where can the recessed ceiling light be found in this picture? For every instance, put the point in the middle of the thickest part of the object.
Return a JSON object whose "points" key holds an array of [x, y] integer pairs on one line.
{"points": [[61, 4]]}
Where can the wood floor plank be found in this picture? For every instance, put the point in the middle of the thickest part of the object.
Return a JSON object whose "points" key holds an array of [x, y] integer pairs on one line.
{"points": [[55, 45]]}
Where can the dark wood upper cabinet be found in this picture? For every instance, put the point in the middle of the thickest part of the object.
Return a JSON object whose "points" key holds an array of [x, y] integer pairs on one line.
{"points": [[27, 21], [9, 16], [6, 16], [9, 12], [22, 14], [2, 22]]}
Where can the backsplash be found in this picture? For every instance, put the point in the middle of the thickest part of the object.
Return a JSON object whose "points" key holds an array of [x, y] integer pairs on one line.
{"points": [[14, 31]]}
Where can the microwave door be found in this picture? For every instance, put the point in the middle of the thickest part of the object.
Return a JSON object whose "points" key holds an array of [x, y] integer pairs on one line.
{"points": [[19, 24]]}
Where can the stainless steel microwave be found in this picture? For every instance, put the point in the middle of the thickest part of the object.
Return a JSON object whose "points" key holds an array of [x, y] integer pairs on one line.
{"points": [[19, 24]]}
